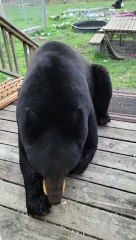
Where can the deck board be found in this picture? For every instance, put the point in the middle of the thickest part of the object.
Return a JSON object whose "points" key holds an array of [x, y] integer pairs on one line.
{"points": [[99, 204]]}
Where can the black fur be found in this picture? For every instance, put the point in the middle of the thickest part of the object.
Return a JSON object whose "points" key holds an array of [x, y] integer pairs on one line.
{"points": [[60, 102], [117, 4]]}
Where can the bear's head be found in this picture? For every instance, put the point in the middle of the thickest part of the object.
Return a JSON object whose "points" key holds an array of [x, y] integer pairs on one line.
{"points": [[54, 145]]}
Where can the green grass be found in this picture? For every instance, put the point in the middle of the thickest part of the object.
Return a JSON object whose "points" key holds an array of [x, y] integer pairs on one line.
{"points": [[122, 72]]}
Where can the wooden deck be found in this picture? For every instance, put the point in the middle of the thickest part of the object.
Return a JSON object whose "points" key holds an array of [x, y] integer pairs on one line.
{"points": [[97, 205]]}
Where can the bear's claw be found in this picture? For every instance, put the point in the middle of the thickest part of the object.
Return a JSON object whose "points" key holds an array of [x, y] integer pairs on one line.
{"points": [[38, 206], [103, 120]]}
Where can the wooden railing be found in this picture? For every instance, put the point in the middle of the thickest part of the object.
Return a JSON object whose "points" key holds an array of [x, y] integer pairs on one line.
{"points": [[16, 49]]}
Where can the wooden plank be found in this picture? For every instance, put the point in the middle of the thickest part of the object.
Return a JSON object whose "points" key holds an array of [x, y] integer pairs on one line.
{"points": [[120, 134], [6, 43], [97, 38], [123, 117], [100, 196], [8, 115], [14, 52], [8, 72], [122, 125], [9, 153], [133, 23], [110, 145], [110, 177], [91, 194], [113, 123], [17, 226], [8, 126], [96, 174], [114, 160], [9, 138], [117, 146], [3, 63], [107, 159], [11, 108], [26, 54], [79, 217]]}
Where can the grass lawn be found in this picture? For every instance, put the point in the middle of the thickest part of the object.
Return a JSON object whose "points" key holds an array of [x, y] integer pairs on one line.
{"points": [[123, 73]]}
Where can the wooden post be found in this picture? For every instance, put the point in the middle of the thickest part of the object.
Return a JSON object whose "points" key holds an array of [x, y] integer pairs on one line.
{"points": [[44, 12]]}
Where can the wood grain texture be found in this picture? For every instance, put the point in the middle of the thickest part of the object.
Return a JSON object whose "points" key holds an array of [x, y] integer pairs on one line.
{"points": [[24, 227], [112, 124], [120, 134], [110, 177], [111, 145], [108, 132], [92, 194], [114, 160], [105, 176], [107, 159], [10, 116], [116, 146], [86, 219]]}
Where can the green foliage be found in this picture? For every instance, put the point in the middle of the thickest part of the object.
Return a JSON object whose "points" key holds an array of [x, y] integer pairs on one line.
{"points": [[122, 72]]}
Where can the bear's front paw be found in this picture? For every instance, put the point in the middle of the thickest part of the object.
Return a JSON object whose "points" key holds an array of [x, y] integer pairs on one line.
{"points": [[103, 120], [38, 205]]}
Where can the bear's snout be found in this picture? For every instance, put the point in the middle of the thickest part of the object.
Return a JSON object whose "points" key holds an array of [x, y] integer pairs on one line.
{"points": [[54, 188]]}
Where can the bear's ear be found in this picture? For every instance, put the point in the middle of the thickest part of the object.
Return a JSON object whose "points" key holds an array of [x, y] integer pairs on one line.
{"points": [[31, 123]]}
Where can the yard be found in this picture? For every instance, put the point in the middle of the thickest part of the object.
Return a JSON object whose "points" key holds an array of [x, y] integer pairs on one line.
{"points": [[122, 72]]}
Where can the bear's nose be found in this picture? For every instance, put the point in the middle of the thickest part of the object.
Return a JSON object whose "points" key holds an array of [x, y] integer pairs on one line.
{"points": [[55, 198], [53, 188]]}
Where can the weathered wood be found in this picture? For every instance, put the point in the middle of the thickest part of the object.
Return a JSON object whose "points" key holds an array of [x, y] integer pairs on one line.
{"points": [[78, 217], [8, 126], [26, 54], [120, 134], [108, 132], [11, 108], [13, 74], [110, 177], [10, 116], [122, 125], [17, 33], [96, 174], [14, 52], [6, 43], [113, 123], [91, 194], [97, 39], [112, 160], [112, 145], [3, 63], [9, 153], [8, 32], [22, 227], [8, 138]]}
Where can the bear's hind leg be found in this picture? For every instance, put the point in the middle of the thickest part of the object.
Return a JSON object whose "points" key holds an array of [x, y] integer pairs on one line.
{"points": [[36, 201], [102, 93]]}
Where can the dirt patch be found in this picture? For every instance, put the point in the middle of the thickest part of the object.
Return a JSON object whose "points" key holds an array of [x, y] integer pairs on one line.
{"points": [[126, 52]]}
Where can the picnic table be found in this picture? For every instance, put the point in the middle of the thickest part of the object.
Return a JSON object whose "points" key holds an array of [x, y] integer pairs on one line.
{"points": [[121, 24]]}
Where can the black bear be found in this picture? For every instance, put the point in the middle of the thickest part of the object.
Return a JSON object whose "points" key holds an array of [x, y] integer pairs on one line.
{"points": [[62, 99], [117, 4]]}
